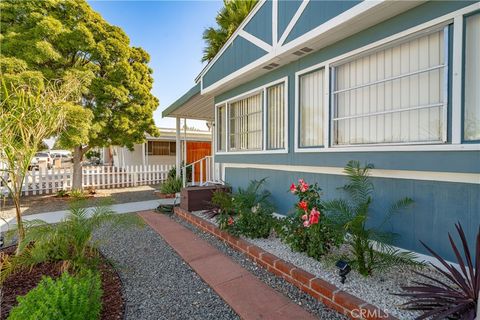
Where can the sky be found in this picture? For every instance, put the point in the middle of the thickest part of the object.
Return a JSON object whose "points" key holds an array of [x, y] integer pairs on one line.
{"points": [[171, 32]]}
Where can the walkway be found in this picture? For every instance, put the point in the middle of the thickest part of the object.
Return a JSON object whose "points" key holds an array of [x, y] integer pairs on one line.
{"points": [[57, 216], [247, 295]]}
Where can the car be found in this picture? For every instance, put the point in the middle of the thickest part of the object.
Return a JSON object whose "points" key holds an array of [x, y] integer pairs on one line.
{"points": [[39, 158]]}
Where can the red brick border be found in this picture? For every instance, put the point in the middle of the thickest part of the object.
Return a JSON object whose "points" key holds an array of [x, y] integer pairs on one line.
{"points": [[320, 289]]}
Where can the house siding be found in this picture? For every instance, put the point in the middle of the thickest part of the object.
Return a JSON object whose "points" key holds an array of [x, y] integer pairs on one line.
{"points": [[437, 207], [261, 24], [438, 204]]}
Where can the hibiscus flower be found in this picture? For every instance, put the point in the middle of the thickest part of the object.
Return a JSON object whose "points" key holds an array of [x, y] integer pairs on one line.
{"points": [[303, 205], [293, 188], [314, 216]]}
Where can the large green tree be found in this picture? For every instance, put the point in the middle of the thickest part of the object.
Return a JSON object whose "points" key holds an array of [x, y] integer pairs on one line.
{"points": [[59, 39], [228, 19]]}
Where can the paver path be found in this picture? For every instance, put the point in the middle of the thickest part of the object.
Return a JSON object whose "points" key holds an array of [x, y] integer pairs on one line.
{"points": [[247, 295]]}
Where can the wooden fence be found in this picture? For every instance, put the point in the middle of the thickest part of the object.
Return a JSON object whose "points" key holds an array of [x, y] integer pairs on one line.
{"points": [[45, 181]]}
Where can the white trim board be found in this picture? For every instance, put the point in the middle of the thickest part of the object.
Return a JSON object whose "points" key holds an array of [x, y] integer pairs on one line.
{"points": [[471, 178]]}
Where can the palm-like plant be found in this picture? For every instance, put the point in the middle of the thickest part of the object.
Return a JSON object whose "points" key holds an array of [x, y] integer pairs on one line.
{"points": [[458, 298], [228, 19], [352, 215], [69, 241]]}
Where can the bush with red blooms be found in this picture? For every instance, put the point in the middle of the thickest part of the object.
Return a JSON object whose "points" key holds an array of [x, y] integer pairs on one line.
{"points": [[307, 229]]}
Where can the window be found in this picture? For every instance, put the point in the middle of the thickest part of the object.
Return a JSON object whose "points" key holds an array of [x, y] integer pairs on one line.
{"points": [[276, 117], [311, 109], [472, 79], [161, 148], [394, 95], [246, 119], [221, 129]]}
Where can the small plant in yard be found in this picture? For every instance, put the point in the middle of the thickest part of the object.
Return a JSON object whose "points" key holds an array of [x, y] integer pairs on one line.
{"points": [[308, 229], [352, 215], [248, 212], [171, 186], [69, 241], [77, 194], [456, 298], [62, 193], [68, 297]]}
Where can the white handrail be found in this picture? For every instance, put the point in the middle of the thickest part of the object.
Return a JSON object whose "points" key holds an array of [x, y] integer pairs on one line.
{"points": [[207, 176]]}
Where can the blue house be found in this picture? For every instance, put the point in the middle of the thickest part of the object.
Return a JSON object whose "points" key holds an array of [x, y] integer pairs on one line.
{"points": [[302, 87]]}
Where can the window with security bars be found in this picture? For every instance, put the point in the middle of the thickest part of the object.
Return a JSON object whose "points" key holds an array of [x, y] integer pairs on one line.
{"points": [[161, 148], [221, 126], [394, 95], [471, 124], [245, 124], [276, 117], [311, 109]]}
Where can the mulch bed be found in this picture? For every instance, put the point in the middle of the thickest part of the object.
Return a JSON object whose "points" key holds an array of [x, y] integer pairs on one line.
{"points": [[22, 282]]}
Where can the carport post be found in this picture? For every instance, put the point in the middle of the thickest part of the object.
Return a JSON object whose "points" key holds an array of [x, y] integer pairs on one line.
{"points": [[178, 149]]}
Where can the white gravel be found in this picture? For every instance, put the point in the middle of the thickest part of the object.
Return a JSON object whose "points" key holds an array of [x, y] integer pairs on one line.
{"points": [[376, 289]]}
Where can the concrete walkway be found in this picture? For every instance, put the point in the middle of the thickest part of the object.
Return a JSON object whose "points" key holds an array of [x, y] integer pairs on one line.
{"points": [[57, 216], [246, 294]]}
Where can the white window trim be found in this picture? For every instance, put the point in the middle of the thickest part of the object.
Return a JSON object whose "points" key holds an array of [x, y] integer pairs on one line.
{"points": [[261, 89], [455, 18]]}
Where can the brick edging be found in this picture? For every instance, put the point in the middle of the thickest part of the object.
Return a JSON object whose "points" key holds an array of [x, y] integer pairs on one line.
{"points": [[320, 289]]}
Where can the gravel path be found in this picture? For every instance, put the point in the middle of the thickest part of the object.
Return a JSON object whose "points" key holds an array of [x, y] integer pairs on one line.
{"points": [[158, 284], [307, 302]]}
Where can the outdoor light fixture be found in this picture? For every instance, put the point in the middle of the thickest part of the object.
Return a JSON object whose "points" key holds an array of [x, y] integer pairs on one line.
{"points": [[343, 269]]}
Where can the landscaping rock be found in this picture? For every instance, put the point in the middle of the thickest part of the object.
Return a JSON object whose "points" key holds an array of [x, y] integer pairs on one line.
{"points": [[157, 283]]}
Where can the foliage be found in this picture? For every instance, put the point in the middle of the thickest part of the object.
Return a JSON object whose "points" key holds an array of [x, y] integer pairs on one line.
{"points": [[228, 19], [61, 39], [172, 173], [171, 185], [308, 229], [457, 298], [62, 193], [92, 154], [352, 215], [69, 241], [68, 297], [248, 212], [28, 115], [77, 194]]}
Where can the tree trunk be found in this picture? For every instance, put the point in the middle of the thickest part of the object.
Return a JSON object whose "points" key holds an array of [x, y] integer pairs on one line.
{"points": [[20, 228], [77, 168]]}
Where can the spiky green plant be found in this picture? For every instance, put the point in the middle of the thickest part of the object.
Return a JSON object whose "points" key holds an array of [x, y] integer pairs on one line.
{"points": [[69, 241], [369, 246]]}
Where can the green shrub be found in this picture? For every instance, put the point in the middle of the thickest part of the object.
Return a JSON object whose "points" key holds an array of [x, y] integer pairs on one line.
{"points": [[69, 241], [248, 212], [171, 185], [352, 215], [68, 297], [172, 173], [308, 229]]}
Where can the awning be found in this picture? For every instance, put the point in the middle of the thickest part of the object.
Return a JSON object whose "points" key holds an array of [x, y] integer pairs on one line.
{"points": [[192, 105]]}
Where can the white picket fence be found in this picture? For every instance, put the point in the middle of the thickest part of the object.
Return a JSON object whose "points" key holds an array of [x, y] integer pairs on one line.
{"points": [[46, 181]]}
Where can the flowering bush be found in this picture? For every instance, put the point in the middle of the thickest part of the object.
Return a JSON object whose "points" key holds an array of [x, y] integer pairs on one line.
{"points": [[308, 230], [247, 212]]}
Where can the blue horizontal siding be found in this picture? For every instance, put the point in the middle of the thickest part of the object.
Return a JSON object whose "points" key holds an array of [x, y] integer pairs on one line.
{"points": [[438, 205], [260, 25], [436, 161]]}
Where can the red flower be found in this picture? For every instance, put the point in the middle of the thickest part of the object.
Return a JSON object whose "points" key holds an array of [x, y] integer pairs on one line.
{"points": [[303, 185], [230, 221], [293, 188], [314, 216], [303, 205], [305, 217]]}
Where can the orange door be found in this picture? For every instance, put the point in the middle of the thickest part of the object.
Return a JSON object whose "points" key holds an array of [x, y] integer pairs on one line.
{"points": [[197, 151]]}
